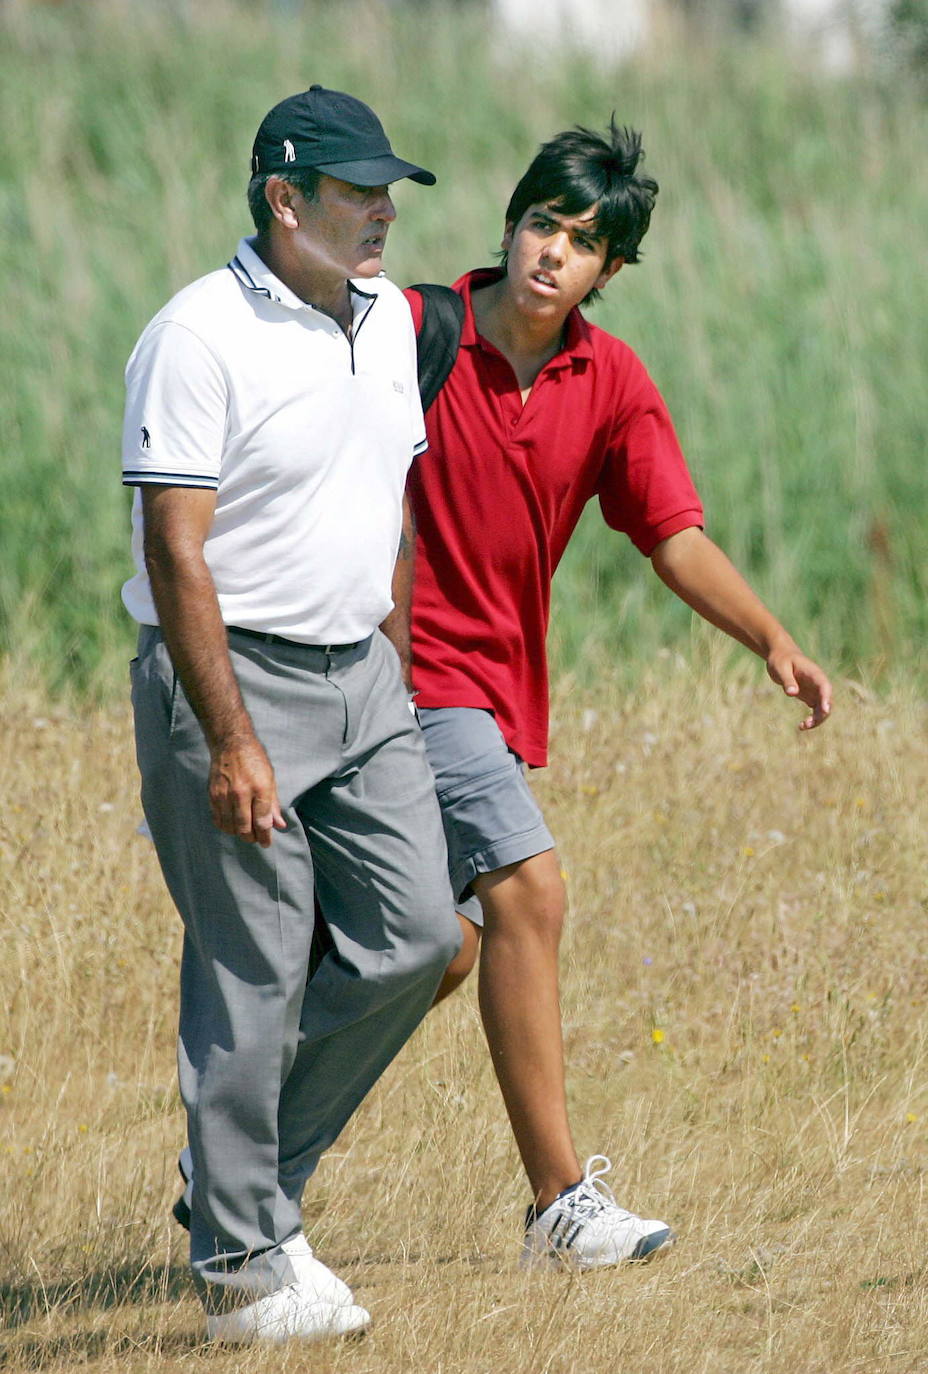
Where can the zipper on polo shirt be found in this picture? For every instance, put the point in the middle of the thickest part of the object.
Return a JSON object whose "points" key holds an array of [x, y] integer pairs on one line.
{"points": [[356, 329], [238, 269]]}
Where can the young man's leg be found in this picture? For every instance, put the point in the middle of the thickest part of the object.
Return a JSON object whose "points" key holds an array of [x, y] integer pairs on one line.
{"points": [[501, 854], [462, 965], [523, 911]]}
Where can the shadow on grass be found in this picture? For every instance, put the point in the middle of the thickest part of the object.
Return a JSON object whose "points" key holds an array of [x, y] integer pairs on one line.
{"points": [[103, 1288], [34, 1352]]}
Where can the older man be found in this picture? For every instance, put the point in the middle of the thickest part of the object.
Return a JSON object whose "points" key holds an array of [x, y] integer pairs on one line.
{"points": [[272, 414]]}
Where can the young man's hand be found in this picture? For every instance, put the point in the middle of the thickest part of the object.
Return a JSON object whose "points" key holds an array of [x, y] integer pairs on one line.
{"points": [[701, 575], [800, 677]]}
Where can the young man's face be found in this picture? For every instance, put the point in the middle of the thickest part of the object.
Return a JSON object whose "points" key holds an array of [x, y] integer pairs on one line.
{"points": [[555, 260], [343, 229]]}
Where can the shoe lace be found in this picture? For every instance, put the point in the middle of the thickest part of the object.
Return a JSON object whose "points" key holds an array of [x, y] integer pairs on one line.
{"points": [[591, 1194]]}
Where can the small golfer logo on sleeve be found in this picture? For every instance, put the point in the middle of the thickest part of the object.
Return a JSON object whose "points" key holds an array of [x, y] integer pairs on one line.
{"points": [[146, 438], [289, 153]]}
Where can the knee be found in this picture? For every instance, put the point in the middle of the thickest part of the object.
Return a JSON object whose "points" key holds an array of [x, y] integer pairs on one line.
{"points": [[526, 905], [462, 963], [545, 922], [547, 903]]}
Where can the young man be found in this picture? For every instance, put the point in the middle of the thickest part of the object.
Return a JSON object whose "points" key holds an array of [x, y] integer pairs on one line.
{"points": [[541, 412], [272, 413]]}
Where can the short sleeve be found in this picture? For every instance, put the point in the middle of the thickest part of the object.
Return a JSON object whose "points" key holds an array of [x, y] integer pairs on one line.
{"points": [[645, 488], [176, 410]]}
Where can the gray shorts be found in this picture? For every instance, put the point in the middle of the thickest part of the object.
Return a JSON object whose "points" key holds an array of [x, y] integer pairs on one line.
{"points": [[490, 816]]}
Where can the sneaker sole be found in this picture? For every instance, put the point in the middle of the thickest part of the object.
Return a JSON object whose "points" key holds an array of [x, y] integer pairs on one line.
{"points": [[350, 1322], [551, 1258]]}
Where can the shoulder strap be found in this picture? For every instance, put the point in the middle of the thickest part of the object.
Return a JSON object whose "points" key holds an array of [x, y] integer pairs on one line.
{"points": [[438, 338]]}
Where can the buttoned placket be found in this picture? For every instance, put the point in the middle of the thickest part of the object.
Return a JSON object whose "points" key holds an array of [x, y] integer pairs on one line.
{"points": [[512, 412]]}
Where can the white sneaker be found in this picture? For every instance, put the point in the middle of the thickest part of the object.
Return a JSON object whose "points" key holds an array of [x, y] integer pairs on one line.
{"points": [[585, 1228], [291, 1312], [314, 1272], [319, 1304]]}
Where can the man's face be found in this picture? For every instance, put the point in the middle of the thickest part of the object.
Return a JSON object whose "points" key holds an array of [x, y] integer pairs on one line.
{"points": [[343, 229], [555, 260]]}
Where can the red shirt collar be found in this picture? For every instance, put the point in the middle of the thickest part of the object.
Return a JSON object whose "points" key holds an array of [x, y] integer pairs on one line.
{"points": [[577, 343]]}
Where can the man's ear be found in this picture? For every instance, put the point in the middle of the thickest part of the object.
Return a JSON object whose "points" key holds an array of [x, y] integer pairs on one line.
{"points": [[609, 272], [280, 196], [506, 243]]}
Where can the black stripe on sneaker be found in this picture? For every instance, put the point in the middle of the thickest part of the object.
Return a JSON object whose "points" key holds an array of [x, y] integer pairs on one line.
{"points": [[554, 1235]]}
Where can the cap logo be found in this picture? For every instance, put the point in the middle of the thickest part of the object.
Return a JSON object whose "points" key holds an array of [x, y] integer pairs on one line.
{"points": [[289, 153]]}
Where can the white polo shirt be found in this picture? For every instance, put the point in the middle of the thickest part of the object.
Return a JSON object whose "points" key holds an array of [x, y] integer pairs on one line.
{"points": [[239, 386]]}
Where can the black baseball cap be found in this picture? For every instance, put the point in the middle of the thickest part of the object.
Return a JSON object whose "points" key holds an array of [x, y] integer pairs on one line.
{"points": [[332, 133]]}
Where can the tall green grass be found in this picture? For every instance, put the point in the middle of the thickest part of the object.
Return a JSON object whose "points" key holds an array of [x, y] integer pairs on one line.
{"points": [[781, 305]]}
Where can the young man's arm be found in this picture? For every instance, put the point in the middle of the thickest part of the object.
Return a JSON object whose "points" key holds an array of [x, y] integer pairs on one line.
{"points": [[397, 624], [242, 790], [701, 575]]}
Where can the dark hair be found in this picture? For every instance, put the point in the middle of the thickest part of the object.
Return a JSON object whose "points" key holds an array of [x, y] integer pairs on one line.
{"points": [[306, 181], [579, 168]]}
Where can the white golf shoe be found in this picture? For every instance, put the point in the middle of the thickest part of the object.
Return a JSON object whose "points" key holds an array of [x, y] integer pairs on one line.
{"points": [[317, 1305]]}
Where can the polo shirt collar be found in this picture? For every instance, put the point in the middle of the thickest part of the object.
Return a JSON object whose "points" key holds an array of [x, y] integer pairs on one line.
{"points": [[578, 343], [255, 275]]}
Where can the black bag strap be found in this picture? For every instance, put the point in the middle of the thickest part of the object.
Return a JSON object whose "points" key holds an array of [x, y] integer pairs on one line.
{"points": [[438, 338]]}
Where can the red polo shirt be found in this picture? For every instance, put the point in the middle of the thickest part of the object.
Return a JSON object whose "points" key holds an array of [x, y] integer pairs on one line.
{"points": [[498, 494]]}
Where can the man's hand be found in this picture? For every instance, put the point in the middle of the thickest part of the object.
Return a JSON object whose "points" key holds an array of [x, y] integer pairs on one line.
{"points": [[800, 677], [243, 793]]}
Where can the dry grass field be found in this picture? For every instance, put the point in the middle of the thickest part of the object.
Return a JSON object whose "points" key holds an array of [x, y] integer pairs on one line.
{"points": [[744, 994]]}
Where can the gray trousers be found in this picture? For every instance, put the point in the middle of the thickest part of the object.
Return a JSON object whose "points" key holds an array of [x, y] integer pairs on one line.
{"points": [[273, 1060]]}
